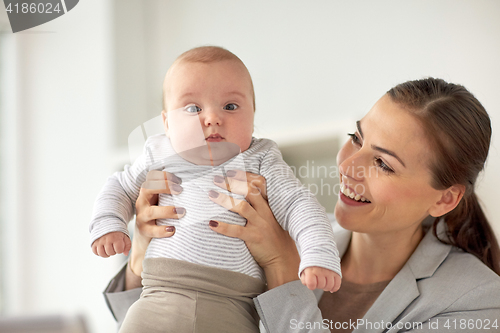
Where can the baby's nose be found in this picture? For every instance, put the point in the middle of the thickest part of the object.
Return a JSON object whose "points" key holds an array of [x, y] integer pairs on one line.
{"points": [[212, 118]]}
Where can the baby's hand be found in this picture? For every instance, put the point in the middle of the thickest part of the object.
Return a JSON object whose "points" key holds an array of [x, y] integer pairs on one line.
{"points": [[320, 278], [111, 244]]}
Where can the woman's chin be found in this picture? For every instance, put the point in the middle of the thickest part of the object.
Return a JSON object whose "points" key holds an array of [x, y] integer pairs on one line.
{"points": [[347, 220], [340, 216]]}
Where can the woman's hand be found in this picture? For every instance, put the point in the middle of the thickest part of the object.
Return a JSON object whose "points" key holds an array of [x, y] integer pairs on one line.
{"points": [[147, 212], [271, 246]]}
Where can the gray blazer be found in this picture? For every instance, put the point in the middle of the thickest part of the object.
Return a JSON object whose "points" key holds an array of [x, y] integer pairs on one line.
{"points": [[440, 289]]}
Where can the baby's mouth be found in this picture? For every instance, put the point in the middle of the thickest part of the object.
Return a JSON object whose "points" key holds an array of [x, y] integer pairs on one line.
{"points": [[214, 138]]}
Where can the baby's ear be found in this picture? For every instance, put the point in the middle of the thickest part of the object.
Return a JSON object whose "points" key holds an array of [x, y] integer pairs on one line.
{"points": [[165, 121]]}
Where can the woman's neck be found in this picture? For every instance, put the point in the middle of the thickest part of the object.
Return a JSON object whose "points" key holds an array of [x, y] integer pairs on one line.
{"points": [[374, 258]]}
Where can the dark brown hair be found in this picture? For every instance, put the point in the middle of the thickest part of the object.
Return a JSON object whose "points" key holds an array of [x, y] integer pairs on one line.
{"points": [[459, 131]]}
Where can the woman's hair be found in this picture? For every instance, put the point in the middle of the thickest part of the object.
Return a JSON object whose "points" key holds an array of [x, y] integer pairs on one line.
{"points": [[459, 131]]}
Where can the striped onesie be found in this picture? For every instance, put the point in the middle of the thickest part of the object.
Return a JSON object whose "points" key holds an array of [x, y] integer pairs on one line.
{"points": [[296, 209]]}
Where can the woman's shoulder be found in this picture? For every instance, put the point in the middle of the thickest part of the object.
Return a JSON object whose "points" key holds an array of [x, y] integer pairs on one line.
{"points": [[464, 276], [450, 266], [439, 283], [470, 265], [449, 283], [447, 273], [462, 289]]}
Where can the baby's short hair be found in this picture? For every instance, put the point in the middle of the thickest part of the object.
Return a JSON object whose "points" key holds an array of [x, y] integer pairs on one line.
{"points": [[207, 55]]}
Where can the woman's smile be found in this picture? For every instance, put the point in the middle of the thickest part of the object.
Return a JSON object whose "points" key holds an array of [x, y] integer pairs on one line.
{"points": [[351, 197], [384, 168]]}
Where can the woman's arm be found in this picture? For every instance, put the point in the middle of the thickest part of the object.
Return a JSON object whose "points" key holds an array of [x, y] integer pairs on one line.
{"points": [[288, 306], [125, 287], [291, 307], [147, 212]]}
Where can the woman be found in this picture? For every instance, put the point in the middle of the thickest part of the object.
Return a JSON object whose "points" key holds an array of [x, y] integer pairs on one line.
{"points": [[417, 251]]}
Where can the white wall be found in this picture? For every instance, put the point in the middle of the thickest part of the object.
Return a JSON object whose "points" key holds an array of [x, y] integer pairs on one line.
{"points": [[315, 65], [59, 93]]}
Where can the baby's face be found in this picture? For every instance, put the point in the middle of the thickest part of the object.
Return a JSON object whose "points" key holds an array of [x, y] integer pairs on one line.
{"points": [[208, 103]]}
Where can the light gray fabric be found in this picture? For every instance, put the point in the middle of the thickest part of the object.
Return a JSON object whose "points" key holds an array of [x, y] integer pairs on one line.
{"points": [[179, 296], [439, 284], [118, 299], [293, 205]]}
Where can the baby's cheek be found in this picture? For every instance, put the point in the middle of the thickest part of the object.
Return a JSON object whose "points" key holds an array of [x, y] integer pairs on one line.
{"points": [[245, 144], [242, 129], [243, 138], [187, 137]]}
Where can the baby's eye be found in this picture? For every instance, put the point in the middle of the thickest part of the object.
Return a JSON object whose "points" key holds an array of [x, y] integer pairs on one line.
{"points": [[231, 107], [192, 108]]}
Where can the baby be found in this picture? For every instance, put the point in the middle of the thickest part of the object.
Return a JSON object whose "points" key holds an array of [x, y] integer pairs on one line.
{"points": [[199, 280]]}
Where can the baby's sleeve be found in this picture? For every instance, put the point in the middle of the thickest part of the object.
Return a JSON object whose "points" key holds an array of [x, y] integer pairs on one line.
{"points": [[115, 204], [299, 212]]}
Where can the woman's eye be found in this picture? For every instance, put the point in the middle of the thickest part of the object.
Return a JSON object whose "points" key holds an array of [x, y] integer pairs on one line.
{"points": [[192, 109], [383, 166], [231, 107], [354, 139]]}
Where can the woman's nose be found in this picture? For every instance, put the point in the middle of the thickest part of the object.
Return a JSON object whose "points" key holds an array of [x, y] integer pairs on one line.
{"points": [[352, 167], [212, 117]]}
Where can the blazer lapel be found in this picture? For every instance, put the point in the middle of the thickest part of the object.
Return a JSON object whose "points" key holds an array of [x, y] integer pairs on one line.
{"points": [[395, 298], [403, 288]]}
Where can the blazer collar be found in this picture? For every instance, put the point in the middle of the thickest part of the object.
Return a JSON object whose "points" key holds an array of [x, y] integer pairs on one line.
{"points": [[402, 289], [430, 253]]}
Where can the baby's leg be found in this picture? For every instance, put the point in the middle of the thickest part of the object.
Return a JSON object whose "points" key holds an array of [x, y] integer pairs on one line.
{"points": [[161, 312], [188, 298], [216, 314]]}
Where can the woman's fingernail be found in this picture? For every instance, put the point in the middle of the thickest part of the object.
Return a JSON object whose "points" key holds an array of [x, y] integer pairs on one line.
{"points": [[218, 179], [176, 179], [173, 178], [213, 194], [170, 229], [179, 210], [176, 188], [213, 223], [231, 173]]}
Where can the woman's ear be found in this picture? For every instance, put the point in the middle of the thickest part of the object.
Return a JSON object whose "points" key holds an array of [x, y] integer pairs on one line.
{"points": [[450, 198], [165, 122]]}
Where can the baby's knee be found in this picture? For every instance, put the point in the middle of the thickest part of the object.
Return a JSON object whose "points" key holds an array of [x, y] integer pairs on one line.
{"points": [[141, 317], [160, 315]]}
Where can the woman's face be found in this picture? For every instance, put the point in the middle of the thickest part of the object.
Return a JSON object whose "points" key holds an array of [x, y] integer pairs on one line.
{"points": [[386, 163]]}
